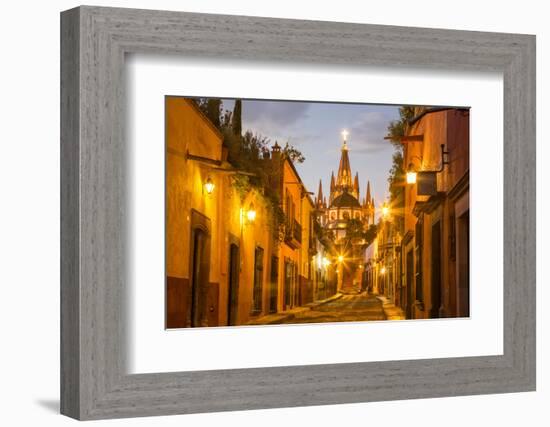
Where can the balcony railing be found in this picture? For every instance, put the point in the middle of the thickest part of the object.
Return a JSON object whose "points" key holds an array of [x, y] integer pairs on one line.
{"points": [[293, 234]]}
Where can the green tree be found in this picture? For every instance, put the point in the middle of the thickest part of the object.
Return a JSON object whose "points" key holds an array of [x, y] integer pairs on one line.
{"points": [[354, 229], [396, 130], [249, 152], [236, 120], [293, 153], [213, 110], [370, 234]]}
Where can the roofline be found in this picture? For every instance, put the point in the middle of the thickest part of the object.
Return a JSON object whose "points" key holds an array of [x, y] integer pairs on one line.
{"points": [[194, 105], [341, 195], [434, 110]]}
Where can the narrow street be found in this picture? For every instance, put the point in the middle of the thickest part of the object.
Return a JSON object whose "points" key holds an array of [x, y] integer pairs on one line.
{"points": [[348, 308]]}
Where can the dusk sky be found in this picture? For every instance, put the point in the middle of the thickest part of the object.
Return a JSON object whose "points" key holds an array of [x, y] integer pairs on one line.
{"points": [[315, 129]]}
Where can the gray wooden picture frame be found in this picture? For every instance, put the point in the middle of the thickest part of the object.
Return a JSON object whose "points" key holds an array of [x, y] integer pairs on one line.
{"points": [[94, 41]]}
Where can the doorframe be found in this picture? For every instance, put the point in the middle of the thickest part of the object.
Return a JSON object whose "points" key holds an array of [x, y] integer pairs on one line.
{"points": [[201, 223], [436, 288], [233, 241], [461, 207]]}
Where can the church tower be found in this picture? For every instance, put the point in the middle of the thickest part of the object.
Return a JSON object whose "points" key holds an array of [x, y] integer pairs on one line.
{"points": [[343, 180], [345, 209], [319, 200], [344, 198]]}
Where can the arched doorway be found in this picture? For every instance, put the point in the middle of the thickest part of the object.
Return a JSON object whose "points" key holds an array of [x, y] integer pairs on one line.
{"points": [[199, 269]]}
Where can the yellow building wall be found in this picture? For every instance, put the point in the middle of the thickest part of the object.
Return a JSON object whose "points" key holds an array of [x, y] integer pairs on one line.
{"points": [[188, 131], [305, 257], [290, 183], [253, 235]]}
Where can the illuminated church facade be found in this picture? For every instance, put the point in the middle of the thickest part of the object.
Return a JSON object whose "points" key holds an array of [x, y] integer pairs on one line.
{"points": [[345, 201]]}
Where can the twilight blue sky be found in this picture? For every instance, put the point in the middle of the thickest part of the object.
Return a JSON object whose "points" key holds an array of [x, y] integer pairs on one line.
{"points": [[315, 129]]}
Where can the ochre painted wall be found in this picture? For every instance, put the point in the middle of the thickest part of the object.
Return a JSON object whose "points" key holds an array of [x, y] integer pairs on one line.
{"points": [[189, 131], [451, 128]]}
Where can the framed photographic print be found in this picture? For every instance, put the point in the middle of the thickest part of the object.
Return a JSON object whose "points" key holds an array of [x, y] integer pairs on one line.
{"points": [[298, 256], [261, 213]]}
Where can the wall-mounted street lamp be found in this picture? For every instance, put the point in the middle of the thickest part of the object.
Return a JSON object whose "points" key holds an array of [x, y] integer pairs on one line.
{"points": [[251, 214], [340, 258], [209, 185], [248, 216], [383, 270], [426, 180], [412, 172]]}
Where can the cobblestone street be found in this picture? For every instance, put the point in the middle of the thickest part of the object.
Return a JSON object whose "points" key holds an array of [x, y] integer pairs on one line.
{"points": [[348, 308]]}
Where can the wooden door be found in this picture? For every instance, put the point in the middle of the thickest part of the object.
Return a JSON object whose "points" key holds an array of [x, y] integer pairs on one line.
{"points": [[199, 278], [436, 271], [274, 285], [464, 265], [233, 289], [410, 282]]}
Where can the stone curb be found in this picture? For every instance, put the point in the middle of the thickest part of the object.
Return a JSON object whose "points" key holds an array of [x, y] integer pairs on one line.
{"points": [[391, 311]]}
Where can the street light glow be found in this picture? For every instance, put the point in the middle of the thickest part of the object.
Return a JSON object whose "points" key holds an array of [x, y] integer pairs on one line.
{"points": [[383, 270], [209, 185], [251, 214], [411, 177], [411, 174], [340, 258], [319, 260]]}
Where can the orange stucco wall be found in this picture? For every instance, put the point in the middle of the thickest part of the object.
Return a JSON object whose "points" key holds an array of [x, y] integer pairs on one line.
{"points": [[449, 127]]}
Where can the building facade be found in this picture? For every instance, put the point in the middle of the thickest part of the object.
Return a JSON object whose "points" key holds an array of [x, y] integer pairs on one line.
{"points": [[435, 244], [344, 199]]}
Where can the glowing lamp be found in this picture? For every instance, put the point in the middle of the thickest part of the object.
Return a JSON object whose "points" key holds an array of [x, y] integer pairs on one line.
{"points": [[251, 214], [411, 175], [385, 210], [340, 258], [209, 185], [383, 270]]}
